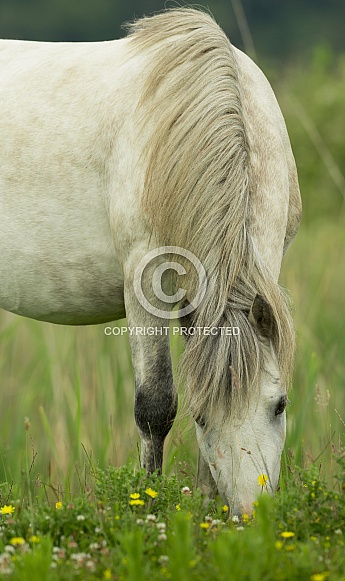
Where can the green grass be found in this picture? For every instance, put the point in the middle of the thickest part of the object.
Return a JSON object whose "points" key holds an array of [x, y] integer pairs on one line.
{"points": [[175, 535], [315, 277], [75, 386]]}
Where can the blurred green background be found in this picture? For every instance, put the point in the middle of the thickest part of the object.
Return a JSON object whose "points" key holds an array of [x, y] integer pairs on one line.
{"points": [[76, 385], [280, 30]]}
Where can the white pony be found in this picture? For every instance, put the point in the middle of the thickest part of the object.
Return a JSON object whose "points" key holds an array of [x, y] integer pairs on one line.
{"points": [[170, 136]]}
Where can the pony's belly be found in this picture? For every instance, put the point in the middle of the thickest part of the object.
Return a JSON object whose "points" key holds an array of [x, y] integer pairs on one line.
{"points": [[57, 260], [83, 292]]}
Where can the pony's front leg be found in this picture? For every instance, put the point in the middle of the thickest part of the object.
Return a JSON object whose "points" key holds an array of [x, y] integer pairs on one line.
{"points": [[155, 394]]}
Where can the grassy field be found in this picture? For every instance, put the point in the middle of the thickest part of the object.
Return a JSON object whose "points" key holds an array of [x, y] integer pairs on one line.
{"points": [[132, 528], [67, 412]]}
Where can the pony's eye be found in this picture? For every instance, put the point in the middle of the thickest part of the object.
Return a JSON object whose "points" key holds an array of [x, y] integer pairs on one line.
{"points": [[200, 421], [281, 405]]}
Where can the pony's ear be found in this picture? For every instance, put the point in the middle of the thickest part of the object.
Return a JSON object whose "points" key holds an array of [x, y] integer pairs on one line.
{"points": [[261, 317]]}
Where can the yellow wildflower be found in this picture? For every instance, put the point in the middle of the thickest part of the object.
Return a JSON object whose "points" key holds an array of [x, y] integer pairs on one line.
{"points": [[278, 545], [262, 480], [134, 496], [34, 539], [204, 525], [178, 507], [17, 541], [58, 505], [225, 508], [151, 492], [319, 576], [287, 534], [136, 502], [245, 517], [290, 547], [7, 509], [107, 574]]}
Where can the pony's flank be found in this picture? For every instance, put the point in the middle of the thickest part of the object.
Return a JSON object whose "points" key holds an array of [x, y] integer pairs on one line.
{"points": [[197, 195]]}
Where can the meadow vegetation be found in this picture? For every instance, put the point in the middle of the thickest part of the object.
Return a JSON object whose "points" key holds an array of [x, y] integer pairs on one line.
{"points": [[129, 527]]}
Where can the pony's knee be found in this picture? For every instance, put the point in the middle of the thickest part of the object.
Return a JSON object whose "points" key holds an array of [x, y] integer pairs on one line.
{"points": [[155, 411]]}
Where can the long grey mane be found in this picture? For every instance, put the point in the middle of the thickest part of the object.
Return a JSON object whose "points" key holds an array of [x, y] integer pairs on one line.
{"points": [[197, 196]]}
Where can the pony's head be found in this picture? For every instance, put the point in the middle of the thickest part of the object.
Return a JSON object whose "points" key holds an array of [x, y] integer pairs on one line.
{"points": [[242, 442], [238, 395]]}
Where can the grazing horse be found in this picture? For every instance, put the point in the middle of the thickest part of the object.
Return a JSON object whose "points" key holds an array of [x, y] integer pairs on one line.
{"points": [[168, 138]]}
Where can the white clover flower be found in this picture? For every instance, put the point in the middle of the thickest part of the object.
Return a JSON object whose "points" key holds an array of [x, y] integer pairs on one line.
{"points": [[162, 537], [81, 558], [235, 518], [90, 565], [80, 517], [139, 521], [161, 526], [208, 518], [6, 566], [151, 517], [186, 490], [94, 546]]}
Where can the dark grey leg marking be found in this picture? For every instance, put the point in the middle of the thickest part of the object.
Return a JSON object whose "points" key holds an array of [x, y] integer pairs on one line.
{"points": [[155, 410]]}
